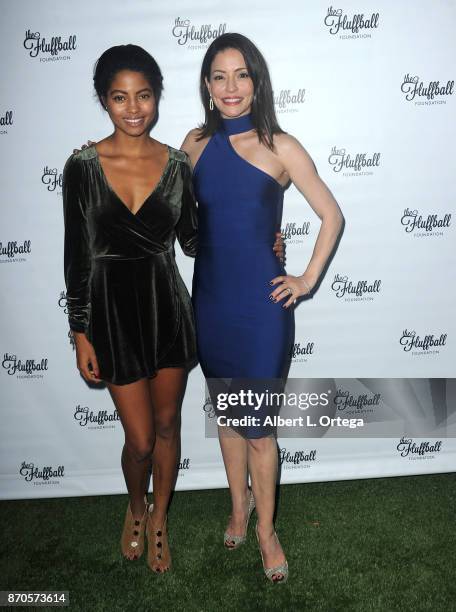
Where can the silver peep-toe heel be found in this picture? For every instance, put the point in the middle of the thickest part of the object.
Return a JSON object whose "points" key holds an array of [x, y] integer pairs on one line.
{"points": [[231, 542], [272, 571]]}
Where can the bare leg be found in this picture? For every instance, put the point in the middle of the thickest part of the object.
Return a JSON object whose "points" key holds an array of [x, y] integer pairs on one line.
{"points": [[133, 404], [262, 460], [234, 452], [166, 391]]}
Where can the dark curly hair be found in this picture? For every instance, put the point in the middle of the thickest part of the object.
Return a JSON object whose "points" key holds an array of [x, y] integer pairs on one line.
{"points": [[126, 57], [263, 113]]}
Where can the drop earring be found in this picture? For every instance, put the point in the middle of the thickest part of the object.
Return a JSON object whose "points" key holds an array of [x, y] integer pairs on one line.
{"points": [[211, 103]]}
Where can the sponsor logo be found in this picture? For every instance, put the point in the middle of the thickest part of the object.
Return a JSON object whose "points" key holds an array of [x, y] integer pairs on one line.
{"points": [[422, 225], [414, 451], [355, 291], [28, 368], [49, 49], [47, 475], [287, 100], [363, 403], [5, 120], [12, 252], [208, 408], [301, 352], [196, 37], [291, 460], [52, 179], [294, 233], [356, 26], [429, 344], [63, 304], [359, 164], [431, 93], [101, 419], [184, 464]]}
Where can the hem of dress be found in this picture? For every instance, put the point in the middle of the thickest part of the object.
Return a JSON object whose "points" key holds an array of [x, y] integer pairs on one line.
{"points": [[187, 365]]}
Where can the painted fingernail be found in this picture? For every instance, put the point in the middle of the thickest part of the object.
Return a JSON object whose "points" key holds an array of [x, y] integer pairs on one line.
{"points": [[271, 283]]}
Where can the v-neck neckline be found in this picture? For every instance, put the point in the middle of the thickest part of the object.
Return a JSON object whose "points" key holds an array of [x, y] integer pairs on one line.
{"points": [[113, 191]]}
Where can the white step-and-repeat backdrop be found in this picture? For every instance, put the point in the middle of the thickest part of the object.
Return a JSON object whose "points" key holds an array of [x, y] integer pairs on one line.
{"points": [[368, 88]]}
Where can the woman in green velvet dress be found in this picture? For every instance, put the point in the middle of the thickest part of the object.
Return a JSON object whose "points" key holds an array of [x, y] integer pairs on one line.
{"points": [[125, 201], [126, 198]]}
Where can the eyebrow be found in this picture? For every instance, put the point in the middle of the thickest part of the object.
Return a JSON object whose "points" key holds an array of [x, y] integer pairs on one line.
{"points": [[126, 92], [236, 70]]}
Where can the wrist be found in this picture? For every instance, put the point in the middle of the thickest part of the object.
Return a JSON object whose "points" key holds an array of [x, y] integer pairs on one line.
{"points": [[307, 281]]}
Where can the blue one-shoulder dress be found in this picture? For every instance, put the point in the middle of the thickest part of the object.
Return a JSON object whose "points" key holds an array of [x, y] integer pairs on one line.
{"points": [[241, 333]]}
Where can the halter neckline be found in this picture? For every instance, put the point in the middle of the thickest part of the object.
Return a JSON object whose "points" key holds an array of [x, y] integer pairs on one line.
{"points": [[237, 125]]}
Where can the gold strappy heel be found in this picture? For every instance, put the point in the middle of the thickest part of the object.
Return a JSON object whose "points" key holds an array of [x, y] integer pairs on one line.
{"points": [[132, 539], [157, 545], [232, 542]]}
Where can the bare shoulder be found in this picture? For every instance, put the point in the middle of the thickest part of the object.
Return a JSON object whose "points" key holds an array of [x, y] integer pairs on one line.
{"points": [[194, 145], [291, 151], [193, 142], [286, 144]]}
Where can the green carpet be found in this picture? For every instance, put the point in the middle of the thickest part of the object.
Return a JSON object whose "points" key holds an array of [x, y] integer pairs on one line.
{"points": [[382, 544]]}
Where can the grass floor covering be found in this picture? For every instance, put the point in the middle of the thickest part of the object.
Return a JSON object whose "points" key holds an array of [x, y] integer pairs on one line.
{"points": [[367, 545]]}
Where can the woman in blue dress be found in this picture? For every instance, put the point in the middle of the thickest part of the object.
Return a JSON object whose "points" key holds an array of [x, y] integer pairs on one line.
{"points": [[242, 295]]}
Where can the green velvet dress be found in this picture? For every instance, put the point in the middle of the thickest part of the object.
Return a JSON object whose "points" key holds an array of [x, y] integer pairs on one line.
{"points": [[124, 290]]}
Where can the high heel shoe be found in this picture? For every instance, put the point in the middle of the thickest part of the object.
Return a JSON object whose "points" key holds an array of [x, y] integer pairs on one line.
{"points": [[272, 571], [132, 538], [232, 542], [158, 553]]}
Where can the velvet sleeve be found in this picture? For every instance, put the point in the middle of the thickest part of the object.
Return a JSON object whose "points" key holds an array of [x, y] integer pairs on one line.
{"points": [[187, 226], [77, 256]]}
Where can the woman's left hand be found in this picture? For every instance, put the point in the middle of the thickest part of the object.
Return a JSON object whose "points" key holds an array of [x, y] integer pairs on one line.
{"points": [[290, 287], [279, 247]]}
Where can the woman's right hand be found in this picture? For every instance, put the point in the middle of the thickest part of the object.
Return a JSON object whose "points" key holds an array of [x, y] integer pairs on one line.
{"points": [[85, 146], [85, 357]]}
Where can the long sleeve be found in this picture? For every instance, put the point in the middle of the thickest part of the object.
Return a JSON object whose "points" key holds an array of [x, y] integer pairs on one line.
{"points": [[77, 259], [187, 226]]}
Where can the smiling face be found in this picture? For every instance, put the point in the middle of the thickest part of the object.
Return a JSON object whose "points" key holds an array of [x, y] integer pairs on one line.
{"points": [[230, 84], [130, 102]]}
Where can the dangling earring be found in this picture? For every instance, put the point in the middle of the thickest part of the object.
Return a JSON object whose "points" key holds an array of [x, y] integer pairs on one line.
{"points": [[211, 103]]}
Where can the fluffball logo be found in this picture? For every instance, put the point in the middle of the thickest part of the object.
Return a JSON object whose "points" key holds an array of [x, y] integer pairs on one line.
{"points": [[63, 305], [184, 464], [301, 352], [424, 225], [185, 32], [430, 93], [357, 164], [52, 178], [407, 447], [29, 368], [5, 120], [102, 419], [13, 251], [353, 291], [286, 100], [417, 345], [41, 476], [356, 26], [63, 302], [294, 233], [49, 48], [296, 459], [355, 404]]}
